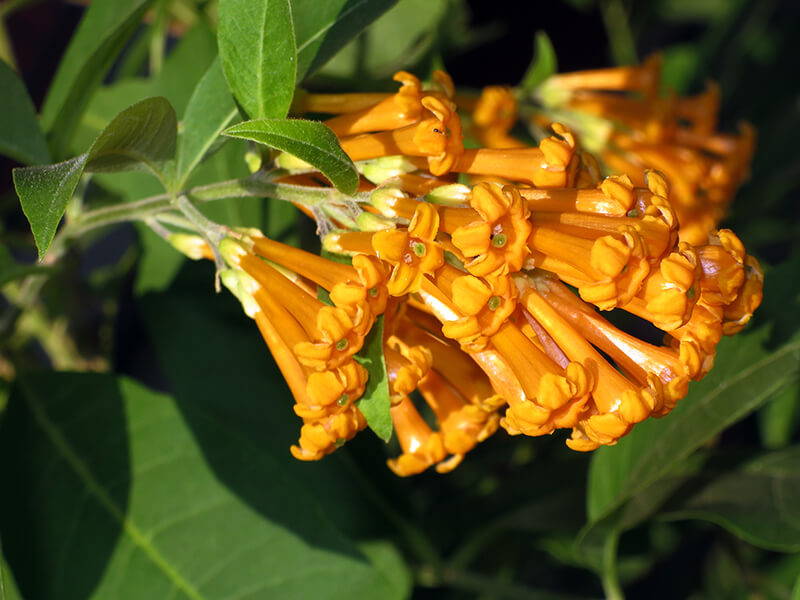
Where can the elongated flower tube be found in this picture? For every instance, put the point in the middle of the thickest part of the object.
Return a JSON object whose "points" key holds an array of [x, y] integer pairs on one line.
{"points": [[643, 78], [616, 402], [422, 447], [360, 290], [613, 197], [324, 400], [545, 391], [436, 138], [607, 270], [553, 164], [398, 110], [639, 360], [323, 337]]}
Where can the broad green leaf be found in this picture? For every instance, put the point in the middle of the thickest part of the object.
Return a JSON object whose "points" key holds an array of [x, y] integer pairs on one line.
{"points": [[103, 32], [323, 28], [309, 141], [141, 135], [258, 54], [374, 404], [119, 492], [796, 590], [759, 502], [20, 136], [397, 40], [11, 270], [543, 65], [183, 67], [744, 377], [210, 110], [778, 420]]}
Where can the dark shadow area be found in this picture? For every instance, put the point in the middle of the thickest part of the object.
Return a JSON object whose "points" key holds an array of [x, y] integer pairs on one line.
{"points": [[234, 400], [58, 537]]}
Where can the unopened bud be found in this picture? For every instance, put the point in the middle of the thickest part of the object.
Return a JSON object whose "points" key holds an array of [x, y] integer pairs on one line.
{"points": [[454, 194], [292, 163], [241, 285], [252, 160], [231, 251], [385, 199], [190, 245], [369, 222], [380, 169]]}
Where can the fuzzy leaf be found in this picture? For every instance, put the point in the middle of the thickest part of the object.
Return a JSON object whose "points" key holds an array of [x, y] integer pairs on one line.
{"points": [[141, 135], [309, 141], [257, 49]]}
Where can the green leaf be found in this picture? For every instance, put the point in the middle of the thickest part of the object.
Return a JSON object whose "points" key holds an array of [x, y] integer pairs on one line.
{"points": [[397, 40], [323, 28], [183, 68], [242, 387], [111, 484], [796, 590], [210, 110], [777, 421], [143, 134], [746, 375], [759, 502], [20, 136], [543, 65], [257, 49], [375, 404], [309, 141], [103, 32]]}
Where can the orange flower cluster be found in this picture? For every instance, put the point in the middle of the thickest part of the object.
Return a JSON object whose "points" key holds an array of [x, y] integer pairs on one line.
{"points": [[620, 114], [489, 266]]}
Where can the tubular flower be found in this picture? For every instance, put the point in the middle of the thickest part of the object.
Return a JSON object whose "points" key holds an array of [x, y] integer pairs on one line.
{"points": [[494, 115], [422, 447], [487, 266], [437, 138], [398, 110], [324, 400], [613, 197], [360, 290], [497, 244], [484, 304], [553, 164], [323, 337], [668, 295], [632, 129], [414, 253]]}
